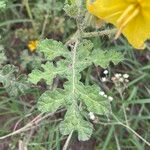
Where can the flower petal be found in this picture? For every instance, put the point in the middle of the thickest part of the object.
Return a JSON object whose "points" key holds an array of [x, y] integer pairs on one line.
{"points": [[108, 10], [138, 30]]}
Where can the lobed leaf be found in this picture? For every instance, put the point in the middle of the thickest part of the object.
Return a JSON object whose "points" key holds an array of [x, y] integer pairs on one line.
{"points": [[73, 63], [103, 58], [50, 101], [13, 84], [48, 73], [74, 122], [52, 49]]}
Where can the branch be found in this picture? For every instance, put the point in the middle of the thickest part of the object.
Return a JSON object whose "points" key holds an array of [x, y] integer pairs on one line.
{"points": [[99, 33]]}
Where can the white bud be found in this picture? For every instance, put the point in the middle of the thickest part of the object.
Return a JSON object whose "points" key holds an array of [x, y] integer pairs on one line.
{"points": [[104, 79], [110, 98], [126, 76], [91, 115], [121, 79], [105, 72], [118, 75], [105, 95], [102, 93], [126, 80]]}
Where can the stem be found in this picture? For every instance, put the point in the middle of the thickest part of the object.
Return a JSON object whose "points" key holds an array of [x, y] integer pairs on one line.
{"points": [[99, 33], [26, 4], [124, 110], [117, 142], [126, 126], [44, 25], [67, 141], [73, 66]]}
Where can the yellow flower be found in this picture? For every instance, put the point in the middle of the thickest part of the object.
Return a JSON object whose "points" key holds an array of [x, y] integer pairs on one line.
{"points": [[32, 45], [131, 17]]}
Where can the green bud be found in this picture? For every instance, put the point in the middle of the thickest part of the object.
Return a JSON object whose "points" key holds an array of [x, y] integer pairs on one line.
{"points": [[71, 10]]}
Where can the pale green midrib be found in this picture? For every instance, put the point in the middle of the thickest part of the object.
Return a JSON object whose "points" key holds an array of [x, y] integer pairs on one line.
{"points": [[73, 70]]}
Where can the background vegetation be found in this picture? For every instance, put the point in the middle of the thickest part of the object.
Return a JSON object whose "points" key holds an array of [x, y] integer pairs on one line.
{"points": [[22, 21]]}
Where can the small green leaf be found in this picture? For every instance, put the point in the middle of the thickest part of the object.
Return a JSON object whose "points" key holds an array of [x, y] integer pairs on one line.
{"points": [[71, 10], [13, 84], [103, 58]]}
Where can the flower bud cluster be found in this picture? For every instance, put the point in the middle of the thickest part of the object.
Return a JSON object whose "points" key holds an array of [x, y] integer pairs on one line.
{"points": [[118, 77]]}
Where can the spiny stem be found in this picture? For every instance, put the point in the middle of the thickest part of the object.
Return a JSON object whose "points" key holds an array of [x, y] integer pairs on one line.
{"points": [[73, 66], [99, 33]]}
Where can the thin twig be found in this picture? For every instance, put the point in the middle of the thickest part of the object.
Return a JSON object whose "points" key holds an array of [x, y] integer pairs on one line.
{"points": [[31, 124], [67, 141], [44, 25], [26, 4], [129, 128], [117, 141]]}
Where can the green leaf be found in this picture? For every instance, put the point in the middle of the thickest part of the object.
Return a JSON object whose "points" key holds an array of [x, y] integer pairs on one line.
{"points": [[52, 49], [94, 102], [50, 101], [2, 4], [74, 61], [74, 122], [103, 58], [30, 60], [71, 10], [83, 57], [48, 73], [13, 84]]}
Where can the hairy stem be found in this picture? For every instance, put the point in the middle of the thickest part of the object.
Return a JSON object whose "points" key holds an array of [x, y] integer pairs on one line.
{"points": [[99, 33], [73, 66]]}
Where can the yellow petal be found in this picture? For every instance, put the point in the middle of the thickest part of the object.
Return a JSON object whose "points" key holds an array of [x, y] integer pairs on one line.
{"points": [[108, 10], [138, 31], [32, 45], [136, 27]]}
